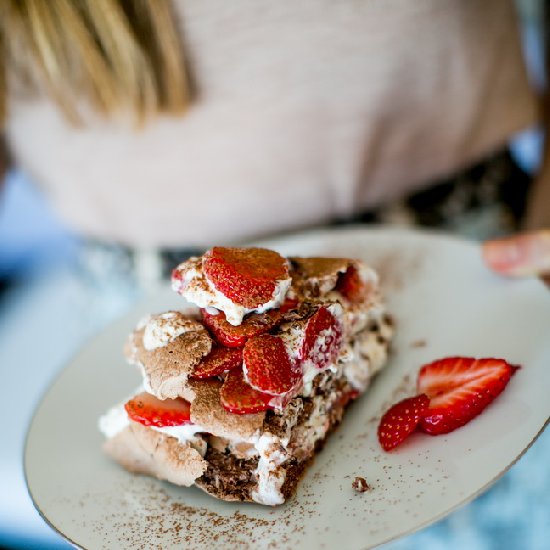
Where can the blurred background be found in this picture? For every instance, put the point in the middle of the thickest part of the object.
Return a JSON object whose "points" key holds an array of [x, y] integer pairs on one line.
{"points": [[40, 255]]}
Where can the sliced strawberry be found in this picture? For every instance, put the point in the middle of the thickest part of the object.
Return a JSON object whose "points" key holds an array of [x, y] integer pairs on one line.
{"points": [[150, 411], [238, 397], [218, 361], [401, 420], [322, 338], [279, 402], [288, 305], [233, 336], [267, 366], [247, 276], [351, 285], [459, 388]]}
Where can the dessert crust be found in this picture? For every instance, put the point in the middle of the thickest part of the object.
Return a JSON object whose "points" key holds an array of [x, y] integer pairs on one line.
{"points": [[208, 412], [228, 477], [167, 371], [319, 268], [167, 368], [143, 450], [316, 276]]}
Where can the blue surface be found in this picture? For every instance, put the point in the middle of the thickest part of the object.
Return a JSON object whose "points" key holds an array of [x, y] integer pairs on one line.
{"points": [[30, 233]]}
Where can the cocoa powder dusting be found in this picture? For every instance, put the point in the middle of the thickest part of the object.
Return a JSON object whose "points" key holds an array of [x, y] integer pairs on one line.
{"points": [[155, 519]]}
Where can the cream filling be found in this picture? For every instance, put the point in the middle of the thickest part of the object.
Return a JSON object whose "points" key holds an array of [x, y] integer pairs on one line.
{"points": [[366, 355], [270, 476], [113, 421], [197, 288], [161, 329], [116, 419]]}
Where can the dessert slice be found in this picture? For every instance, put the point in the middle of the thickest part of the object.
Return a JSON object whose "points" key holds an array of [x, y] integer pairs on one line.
{"points": [[239, 395]]}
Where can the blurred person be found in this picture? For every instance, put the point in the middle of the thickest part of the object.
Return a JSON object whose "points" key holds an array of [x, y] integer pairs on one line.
{"points": [[524, 255], [158, 129]]}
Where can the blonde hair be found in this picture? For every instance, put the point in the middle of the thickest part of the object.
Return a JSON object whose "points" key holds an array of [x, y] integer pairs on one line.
{"points": [[115, 54]]}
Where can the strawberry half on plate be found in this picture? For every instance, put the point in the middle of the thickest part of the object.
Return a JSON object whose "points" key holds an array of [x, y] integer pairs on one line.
{"points": [[452, 391], [460, 388], [401, 420]]}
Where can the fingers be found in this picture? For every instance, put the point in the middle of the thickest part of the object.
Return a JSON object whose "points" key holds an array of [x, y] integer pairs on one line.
{"points": [[520, 256]]}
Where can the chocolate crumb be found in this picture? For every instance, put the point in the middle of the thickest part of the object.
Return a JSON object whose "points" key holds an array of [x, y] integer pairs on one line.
{"points": [[388, 319], [360, 485]]}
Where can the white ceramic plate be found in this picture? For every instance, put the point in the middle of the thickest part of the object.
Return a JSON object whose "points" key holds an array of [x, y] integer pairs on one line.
{"points": [[445, 303]]}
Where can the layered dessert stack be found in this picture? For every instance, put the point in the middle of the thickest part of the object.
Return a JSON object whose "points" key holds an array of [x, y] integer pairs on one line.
{"points": [[240, 391]]}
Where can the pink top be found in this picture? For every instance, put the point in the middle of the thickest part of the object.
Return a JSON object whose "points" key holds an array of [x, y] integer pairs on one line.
{"points": [[306, 110]]}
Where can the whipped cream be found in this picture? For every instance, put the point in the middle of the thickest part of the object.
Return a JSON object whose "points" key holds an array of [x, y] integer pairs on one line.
{"points": [[116, 419], [367, 274], [113, 421], [186, 434], [270, 477], [197, 288], [159, 330], [315, 428], [367, 354]]}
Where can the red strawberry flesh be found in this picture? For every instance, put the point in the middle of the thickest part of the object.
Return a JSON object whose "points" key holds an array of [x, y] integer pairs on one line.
{"points": [[288, 305], [247, 276], [401, 420], [459, 389], [322, 338], [218, 361], [150, 411], [235, 336], [237, 397], [351, 285], [267, 366]]}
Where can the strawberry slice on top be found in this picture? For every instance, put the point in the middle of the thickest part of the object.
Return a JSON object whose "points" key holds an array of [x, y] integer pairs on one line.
{"points": [[235, 336], [247, 276], [218, 361], [150, 411], [459, 388], [322, 338], [268, 367], [237, 397]]}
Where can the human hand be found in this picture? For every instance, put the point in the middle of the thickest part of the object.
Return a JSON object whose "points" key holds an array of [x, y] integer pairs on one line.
{"points": [[523, 255]]}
